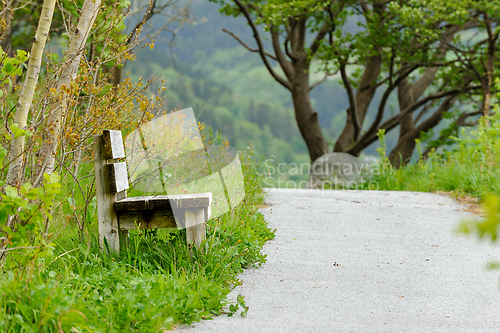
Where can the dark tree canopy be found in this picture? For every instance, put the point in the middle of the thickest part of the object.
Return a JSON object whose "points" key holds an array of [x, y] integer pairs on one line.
{"points": [[434, 57]]}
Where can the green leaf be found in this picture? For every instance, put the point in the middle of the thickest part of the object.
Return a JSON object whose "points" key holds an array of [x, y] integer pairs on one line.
{"points": [[11, 192], [54, 178], [22, 55], [71, 202], [25, 188], [32, 207], [3, 153], [31, 195], [8, 230], [19, 71], [19, 131], [8, 67], [3, 215]]}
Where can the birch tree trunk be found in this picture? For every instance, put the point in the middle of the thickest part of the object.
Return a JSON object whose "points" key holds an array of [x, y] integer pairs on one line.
{"points": [[15, 172], [487, 81], [52, 131]]}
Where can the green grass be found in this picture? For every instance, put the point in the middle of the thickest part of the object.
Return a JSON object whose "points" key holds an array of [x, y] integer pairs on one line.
{"points": [[471, 167], [152, 286]]}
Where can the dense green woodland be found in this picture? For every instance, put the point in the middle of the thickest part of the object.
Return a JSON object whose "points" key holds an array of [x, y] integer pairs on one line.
{"points": [[207, 69]]}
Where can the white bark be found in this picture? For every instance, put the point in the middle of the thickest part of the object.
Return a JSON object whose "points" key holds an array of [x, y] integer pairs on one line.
{"points": [[52, 131], [14, 175]]}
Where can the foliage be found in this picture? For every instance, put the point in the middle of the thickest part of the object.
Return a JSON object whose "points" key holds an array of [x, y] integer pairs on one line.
{"points": [[26, 236], [408, 47], [487, 227], [24, 217], [154, 285], [10, 68], [55, 277], [471, 167]]}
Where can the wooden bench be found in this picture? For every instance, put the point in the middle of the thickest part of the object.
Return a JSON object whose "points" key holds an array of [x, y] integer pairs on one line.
{"points": [[117, 214]]}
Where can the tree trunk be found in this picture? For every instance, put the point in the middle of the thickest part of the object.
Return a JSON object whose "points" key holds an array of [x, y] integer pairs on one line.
{"points": [[364, 96], [7, 37], [52, 129], [408, 94], [488, 77], [6, 34], [16, 169], [295, 63], [406, 143], [405, 146], [306, 117]]}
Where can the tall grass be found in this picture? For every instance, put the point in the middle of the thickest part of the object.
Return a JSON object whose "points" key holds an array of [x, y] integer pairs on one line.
{"points": [[152, 286], [472, 167]]}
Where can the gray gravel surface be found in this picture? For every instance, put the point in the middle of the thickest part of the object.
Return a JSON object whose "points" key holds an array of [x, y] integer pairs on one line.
{"points": [[366, 261]]}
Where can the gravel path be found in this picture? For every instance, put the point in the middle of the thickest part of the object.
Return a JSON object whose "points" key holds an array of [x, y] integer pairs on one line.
{"points": [[363, 261]]}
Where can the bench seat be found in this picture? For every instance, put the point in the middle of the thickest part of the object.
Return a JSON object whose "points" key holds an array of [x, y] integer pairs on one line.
{"points": [[152, 212], [176, 201]]}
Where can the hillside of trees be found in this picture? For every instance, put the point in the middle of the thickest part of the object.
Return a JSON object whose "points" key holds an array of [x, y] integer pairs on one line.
{"points": [[208, 70]]}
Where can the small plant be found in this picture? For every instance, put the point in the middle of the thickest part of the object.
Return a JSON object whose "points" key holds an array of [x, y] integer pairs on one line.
{"points": [[382, 150], [24, 215], [24, 219], [240, 302], [486, 228], [10, 68]]}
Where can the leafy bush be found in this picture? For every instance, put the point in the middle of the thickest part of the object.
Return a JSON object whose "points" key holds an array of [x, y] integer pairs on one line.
{"points": [[151, 286]]}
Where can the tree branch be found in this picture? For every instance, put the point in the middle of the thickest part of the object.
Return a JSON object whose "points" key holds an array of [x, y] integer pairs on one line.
{"points": [[389, 124], [317, 83], [246, 46], [256, 35], [149, 13], [354, 148], [352, 102], [288, 53], [325, 28], [436, 117], [461, 121], [284, 63], [422, 112]]}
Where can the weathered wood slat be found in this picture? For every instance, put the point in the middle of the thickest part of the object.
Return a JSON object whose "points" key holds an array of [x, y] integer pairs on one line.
{"points": [[106, 214], [113, 144], [118, 179], [192, 200], [195, 227], [167, 202]]}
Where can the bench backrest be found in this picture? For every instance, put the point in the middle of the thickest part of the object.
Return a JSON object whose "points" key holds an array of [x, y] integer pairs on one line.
{"points": [[113, 150], [117, 214]]}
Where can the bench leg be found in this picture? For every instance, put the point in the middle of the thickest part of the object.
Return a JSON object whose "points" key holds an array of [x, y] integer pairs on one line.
{"points": [[195, 227]]}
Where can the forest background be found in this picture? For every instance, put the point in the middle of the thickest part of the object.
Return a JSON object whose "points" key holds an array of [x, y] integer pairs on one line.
{"points": [[55, 275]]}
